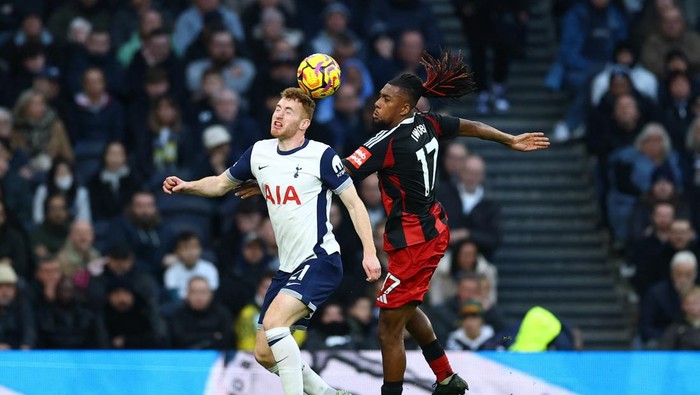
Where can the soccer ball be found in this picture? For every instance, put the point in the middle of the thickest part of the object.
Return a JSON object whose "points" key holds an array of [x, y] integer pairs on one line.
{"points": [[319, 75]]}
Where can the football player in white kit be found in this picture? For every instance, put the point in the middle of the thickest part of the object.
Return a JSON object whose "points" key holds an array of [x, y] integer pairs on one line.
{"points": [[296, 176]]}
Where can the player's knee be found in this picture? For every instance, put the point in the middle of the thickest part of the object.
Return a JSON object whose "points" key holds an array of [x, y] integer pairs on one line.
{"points": [[389, 333], [270, 321]]}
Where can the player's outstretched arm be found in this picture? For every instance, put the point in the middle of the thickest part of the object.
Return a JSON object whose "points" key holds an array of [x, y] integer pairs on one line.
{"points": [[208, 186], [522, 142], [360, 219]]}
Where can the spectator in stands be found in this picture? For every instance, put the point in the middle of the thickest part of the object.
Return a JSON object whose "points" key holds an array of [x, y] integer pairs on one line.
{"points": [[118, 270], [354, 276], [188, 264], [647, 254], [126, 20], [191, 22], [17, 325], [617, 129], [409, 52], [473, 334], [676, 108], [255, 13], [346, 124], [141, 228], [625, 58], [336, 17], [15, 188], [201, 323], [42, 288], [685, 334], [590, 31], [149, 21], [112, 187], [662, 304], [501, 27], [97, 118], [48, 83], [50, 236], [13, 247], [247, 217], [240, 278], [446, 318], [95, 12], [66, 323], [455, 156], [202, 110], [238, 72], [39, 132], [630, 171], [681, 237], [466, 258], [31, 60], [227, 113], [61, 179], [246, 325], [79, 251], [362, 323], [97, 53], [156, 53], [217, 142], [663, 190], [672, 35], [166, 145], [130, 321], [692, 155], [372, 198], [649, 22], [31, 29], [156, 85], [402, 15], [381, 61], [473, 215], [271, 29], [331, 331]]}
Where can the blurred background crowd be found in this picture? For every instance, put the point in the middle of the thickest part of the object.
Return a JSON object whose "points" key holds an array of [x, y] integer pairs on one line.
{"points": [[101, 99]]}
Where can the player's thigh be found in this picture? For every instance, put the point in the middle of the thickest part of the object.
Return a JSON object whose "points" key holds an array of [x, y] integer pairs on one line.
{"points": [[284, 311], [392, 321]]}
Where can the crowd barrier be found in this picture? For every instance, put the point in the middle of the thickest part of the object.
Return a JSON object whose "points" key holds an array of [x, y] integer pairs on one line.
{"points": [[237, 373]]}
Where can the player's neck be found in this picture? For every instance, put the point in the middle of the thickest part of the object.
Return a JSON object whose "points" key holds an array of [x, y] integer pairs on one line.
{"points": [[291, 143]]}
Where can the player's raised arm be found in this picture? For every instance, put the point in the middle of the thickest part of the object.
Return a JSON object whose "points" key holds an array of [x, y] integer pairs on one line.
{"points": [[522, 142], [360, 219], [208, 186]]}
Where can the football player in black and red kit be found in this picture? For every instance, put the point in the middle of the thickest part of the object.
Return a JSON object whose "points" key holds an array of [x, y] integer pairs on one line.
{"points": [[404, 155]]}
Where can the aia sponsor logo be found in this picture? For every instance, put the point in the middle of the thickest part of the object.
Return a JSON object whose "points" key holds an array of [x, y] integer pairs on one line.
{"points": [[282, 195]]}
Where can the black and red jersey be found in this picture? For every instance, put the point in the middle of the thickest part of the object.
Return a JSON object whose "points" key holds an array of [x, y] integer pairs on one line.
{"points": [[406, 159]]}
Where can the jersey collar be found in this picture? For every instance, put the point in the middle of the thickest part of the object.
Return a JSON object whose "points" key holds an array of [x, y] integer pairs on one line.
{"points": [[291, 151]]}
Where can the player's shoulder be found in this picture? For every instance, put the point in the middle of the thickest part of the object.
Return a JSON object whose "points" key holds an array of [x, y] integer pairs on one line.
{"points": [[318, 147]]}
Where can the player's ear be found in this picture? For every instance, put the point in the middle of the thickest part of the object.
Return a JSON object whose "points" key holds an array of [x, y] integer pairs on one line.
{"points": [[405, 109], [305, 123]]}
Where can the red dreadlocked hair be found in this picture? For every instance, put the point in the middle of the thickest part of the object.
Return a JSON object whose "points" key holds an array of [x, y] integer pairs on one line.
{"points": [[447, 78]]}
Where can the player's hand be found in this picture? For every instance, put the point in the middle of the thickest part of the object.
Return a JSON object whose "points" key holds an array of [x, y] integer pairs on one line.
{"points": [[530, 141], [247, 189], [373, 269], [173, 184]]}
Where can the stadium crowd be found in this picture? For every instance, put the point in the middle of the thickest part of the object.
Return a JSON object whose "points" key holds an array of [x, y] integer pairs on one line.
{"points": [[631, 68], [101, 99]]}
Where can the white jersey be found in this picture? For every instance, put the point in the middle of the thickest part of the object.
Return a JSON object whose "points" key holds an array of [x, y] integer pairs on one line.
{"points": [[297, 187]]}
